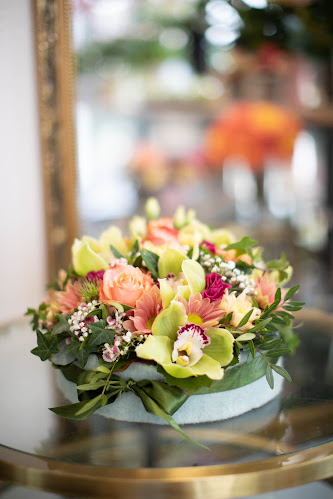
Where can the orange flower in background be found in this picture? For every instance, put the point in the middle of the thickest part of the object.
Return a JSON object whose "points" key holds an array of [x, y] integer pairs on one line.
{"points": [[161, 231], [150, 165], [254, 132], [124, 284]]}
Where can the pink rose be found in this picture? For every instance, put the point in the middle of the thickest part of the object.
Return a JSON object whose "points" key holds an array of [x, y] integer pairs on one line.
{"points": [[124, 284], [215, 287], [161, 231]]}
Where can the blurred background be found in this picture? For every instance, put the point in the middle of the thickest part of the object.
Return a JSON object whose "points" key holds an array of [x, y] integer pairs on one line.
{"points": [[220, 105], [224, 106]]}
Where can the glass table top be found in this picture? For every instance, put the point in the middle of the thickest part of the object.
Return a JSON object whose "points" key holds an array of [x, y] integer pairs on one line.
{"points": [[298, 421]]}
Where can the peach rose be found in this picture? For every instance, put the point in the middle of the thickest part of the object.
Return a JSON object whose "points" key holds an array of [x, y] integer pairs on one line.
{"points": [[161, 231], [124, 284]]}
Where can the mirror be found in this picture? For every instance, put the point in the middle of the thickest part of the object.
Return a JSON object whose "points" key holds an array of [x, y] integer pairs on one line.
{"points": [[160, 86]]}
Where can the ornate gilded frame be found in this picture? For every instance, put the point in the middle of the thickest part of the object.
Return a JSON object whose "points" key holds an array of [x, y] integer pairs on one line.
{"points": [[55, 74]]}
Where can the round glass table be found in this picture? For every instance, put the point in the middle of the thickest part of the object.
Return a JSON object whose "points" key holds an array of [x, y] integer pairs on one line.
{"points": [[285, 443]]}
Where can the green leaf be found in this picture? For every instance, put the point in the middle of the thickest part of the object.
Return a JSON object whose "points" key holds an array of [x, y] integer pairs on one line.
{"points": [[76, 348], [280, 370], [189, 385], [269, 377], [291, 292], [251, 347], [281, 264], [47, 345], [278, 352], [105, 312], [292, 308], [62, 326], [245, 318], [151, 261], [246, 337], [258, 362], [102, 369], [98, 337], [270, 344], [260, 325], [244, 244], [91, 386], [277, 296], [236, 377], [80, 410], [116, 253]]}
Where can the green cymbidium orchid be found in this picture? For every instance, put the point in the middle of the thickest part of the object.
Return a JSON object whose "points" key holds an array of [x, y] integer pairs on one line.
{"points": [[185, 349]]}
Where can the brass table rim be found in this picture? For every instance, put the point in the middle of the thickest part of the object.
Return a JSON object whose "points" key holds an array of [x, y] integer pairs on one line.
{"points": [[275, 473]]}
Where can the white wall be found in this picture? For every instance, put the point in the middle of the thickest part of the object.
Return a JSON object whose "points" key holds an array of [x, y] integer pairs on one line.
{"points": [[22, 234]]}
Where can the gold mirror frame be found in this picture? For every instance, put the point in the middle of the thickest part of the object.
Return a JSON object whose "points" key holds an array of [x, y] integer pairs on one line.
{"points": [[55, 73]]}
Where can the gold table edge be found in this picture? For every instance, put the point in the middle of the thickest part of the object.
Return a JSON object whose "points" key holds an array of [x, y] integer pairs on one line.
{"points": [[216, 481]]}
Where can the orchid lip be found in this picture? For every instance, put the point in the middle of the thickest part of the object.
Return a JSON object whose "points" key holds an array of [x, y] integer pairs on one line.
{"points": [[187, 349]]}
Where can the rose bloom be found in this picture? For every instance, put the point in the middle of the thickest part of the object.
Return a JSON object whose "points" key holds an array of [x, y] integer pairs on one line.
{"points": [[161, 231], [215, 287], [124, 284]]}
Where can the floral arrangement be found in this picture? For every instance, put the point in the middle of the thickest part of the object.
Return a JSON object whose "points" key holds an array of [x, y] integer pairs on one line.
{"points": [[178, 295]]}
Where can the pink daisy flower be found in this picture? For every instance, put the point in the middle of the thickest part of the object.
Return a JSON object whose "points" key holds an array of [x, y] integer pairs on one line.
{"points": [[145, 312], [70, 298], [265, 289], [202, 311]]}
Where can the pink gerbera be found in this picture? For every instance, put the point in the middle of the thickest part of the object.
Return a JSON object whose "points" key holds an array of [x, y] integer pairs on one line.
{"points": [[70, 298], [202, 311], [145, 312], [265, 289]]}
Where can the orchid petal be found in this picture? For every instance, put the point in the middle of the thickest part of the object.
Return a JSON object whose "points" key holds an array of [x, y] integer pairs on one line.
{"points": [[170, 262], [183, 291], [195, 276], [167, 293], [85, 259], [157, 348], [113, 236], [205, 366], [170, 320], [221, 345]]}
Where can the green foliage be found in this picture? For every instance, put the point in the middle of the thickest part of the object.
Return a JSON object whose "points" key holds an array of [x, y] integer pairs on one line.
{"points": [[76, 348], [243, 246], [189, 385], [47, 345], [116, 253], [62, 325], [38, 315], [151, 261]]}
